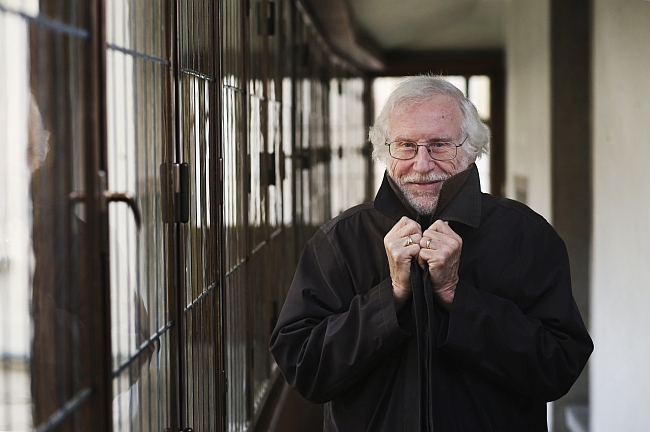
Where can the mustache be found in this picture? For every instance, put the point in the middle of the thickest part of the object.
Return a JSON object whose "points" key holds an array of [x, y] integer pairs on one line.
{"points": [[423, 178]]}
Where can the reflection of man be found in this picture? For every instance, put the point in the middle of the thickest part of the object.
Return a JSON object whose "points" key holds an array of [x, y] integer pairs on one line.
{"points": [[61, 364], [436, 307]]}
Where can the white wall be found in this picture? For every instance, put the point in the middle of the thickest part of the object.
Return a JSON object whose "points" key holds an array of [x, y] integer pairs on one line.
{"points": [[620, 299], [528, 129]]}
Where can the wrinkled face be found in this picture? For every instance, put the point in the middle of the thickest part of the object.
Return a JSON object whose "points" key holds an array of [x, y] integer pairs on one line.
{"points": [[420, 179]]}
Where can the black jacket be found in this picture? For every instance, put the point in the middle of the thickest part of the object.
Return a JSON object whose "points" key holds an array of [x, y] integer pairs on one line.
{"points": [[513, 340]]}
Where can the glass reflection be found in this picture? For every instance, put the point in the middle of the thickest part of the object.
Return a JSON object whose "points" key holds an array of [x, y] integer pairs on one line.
{"points": [[18, 116], [136, 75]]}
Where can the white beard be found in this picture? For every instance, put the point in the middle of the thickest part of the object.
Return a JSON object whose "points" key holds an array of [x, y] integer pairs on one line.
{"points": [[424, 203]]}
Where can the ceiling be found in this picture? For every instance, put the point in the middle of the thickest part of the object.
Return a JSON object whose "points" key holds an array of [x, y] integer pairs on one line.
{"points": [[423, 25], [374, 33]]}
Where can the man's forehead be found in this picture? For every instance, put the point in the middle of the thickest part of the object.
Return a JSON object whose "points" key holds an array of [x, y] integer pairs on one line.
{"points": [[438, 109], [434, 102]]}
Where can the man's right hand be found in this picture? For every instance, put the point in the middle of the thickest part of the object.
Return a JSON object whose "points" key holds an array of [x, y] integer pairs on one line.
{"points": [[400, 251]]}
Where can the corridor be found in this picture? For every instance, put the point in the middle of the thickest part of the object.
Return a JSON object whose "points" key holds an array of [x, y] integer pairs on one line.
{"points": [[163, 164]]}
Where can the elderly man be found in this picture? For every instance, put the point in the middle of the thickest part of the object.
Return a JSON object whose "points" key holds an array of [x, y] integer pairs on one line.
{"points": [[436, 307]]}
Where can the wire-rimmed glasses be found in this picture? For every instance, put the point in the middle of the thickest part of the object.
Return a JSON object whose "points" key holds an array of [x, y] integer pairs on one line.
{"points": [[438, 150]]}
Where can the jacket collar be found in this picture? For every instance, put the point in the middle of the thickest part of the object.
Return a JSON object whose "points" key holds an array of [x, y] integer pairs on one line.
{"points": [[460, 199]]}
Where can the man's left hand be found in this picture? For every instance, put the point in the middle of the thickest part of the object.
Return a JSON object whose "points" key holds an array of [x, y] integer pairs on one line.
{"points": [[440, 252]]}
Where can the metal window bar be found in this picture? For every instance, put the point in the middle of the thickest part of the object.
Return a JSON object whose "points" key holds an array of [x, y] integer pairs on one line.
{"points": [[138, 145], [199, 129], [235, 189]]}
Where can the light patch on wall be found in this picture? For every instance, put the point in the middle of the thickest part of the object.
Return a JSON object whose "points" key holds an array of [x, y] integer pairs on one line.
{"points": [[521, 188]]}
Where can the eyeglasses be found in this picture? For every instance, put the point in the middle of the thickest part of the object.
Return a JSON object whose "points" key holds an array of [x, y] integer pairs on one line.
{"points": [[439, 150]]}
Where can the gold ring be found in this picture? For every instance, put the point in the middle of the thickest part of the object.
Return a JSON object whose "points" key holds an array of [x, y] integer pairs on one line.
{"points": [[428, 243], [409, 241]]}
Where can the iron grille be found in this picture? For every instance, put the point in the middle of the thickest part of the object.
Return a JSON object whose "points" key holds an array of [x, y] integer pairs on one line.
{"points": [[138, 148]]}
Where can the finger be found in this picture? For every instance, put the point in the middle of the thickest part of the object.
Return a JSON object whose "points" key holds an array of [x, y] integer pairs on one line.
{"points": [[398, 227], [401, 249], [439, 245], [441, 228], [406, 238], [437, 254], [405, 227], [434, 236], [422, 261], [416, 238], [405, 222], [402, 238], [444, 245]]}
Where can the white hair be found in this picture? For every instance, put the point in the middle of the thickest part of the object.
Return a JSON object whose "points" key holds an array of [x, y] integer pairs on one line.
{"points": [[419, 89]]}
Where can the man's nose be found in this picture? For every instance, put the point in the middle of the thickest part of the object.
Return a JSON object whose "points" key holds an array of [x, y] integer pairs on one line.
{"points": [[422, 161]]}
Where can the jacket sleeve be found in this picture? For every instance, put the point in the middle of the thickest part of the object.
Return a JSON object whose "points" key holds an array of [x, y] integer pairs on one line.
{"points": [[534, 342], [328, 337]]}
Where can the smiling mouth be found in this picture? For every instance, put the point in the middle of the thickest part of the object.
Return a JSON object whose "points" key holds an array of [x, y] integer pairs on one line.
{"points": [[426, 183], [431, 186]]}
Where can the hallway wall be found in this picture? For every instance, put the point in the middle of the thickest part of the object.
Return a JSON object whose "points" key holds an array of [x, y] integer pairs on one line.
{"points": [[620, 275], [548, 166], [528, 82], [621, 239]]}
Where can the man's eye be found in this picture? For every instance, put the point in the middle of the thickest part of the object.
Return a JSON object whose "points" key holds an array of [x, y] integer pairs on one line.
{"points": [[439, 146], [407, 145]]}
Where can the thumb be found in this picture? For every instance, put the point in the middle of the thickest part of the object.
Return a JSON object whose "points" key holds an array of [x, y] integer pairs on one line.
{"points": [[422, 262]]}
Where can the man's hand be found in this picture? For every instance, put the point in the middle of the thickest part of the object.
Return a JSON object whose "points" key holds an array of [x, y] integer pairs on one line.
{"points": [[400, 250], [440, 252]]}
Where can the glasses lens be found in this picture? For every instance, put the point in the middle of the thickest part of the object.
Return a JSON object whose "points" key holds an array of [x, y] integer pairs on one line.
{"points": [[403, 150], [442, 150]]}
